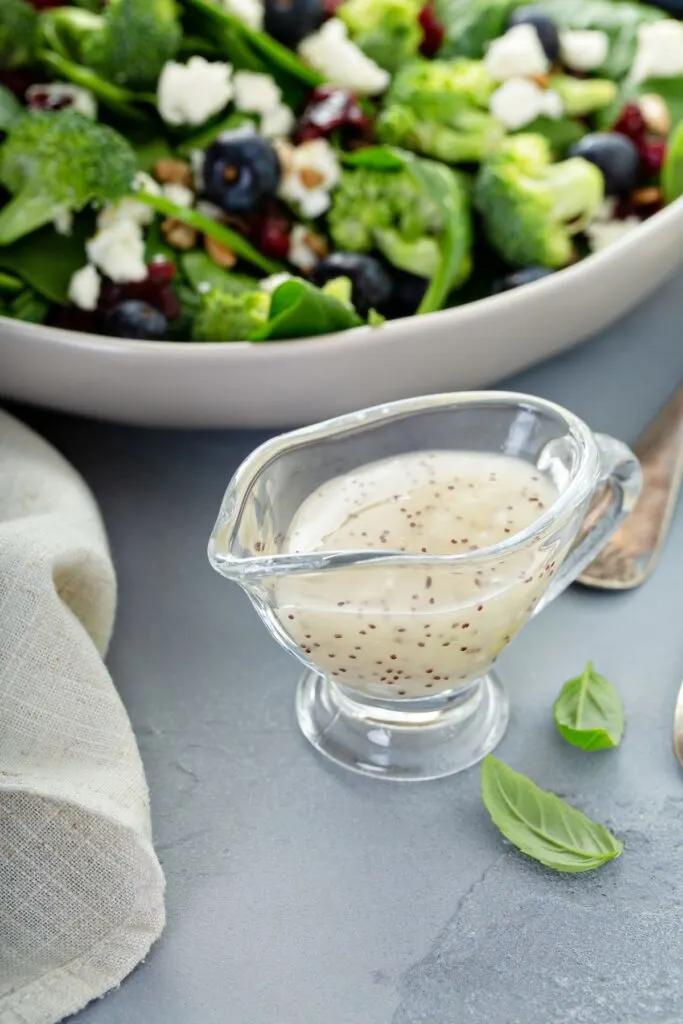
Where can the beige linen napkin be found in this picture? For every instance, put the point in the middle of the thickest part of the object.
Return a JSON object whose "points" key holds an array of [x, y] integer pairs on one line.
{"points": [[81, 890]]}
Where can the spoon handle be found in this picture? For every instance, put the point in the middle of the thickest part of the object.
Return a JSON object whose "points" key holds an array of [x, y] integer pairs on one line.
{"points": [[634, 549]]}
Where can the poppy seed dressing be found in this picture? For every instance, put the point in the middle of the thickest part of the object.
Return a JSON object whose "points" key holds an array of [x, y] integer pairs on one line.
{"points": [[412, 629]]}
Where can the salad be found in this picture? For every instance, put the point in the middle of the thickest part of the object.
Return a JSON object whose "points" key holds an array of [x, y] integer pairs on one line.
{"points": [[253, 170]]}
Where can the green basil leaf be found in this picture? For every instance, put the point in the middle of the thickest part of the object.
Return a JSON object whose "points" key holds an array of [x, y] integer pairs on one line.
{"points": [[46, 261], [672, 171], [589, 713], [541, 825], [239, 245], [10, 109], [298, 309]]}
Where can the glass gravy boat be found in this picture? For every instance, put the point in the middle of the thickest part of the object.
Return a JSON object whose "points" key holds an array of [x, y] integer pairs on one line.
{"points": [[398, 647]]}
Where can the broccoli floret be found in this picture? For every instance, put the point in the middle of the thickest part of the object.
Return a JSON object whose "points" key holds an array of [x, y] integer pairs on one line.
{"points": [[226, 317], [439, 90], [440, 109], [388, 211], [127, 44], [387, 30], [581, 96], [531, 207], [18, 26], [469, 138], [56, 161]]}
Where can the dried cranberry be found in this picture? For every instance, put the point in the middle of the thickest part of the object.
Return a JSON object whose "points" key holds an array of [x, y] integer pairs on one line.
{"points": [[271, 237], [156, 292], [330, 8], [70, 318], [433, 31], [41, 99], [331, 108], [161, 271], [21, 79], [631, 122], [652, 153]]}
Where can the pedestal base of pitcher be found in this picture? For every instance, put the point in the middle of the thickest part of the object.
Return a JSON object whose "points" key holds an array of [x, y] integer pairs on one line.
{"points": [[402, 740]]}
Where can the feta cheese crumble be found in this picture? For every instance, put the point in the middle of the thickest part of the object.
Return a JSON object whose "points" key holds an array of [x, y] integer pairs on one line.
{"points": [[129, 209], [517, 54], [64, 94], [84, 288], [118, 250], [519, 101], [310, 172], [334, 55], [584, 49], [660, 51], [63, 221], [178, 194], [301, 252], [256, 93], [191, 93], [269, 284], [251, 12]]}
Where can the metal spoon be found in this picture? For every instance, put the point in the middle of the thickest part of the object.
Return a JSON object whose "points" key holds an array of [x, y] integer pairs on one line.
{"points": [[633, 551]]}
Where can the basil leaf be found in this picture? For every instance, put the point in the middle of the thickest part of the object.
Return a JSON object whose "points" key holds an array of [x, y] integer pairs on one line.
{"points": [[239, 245], [672, 171], [203, 276], [589, 713], [541, 825], [10, 109], [46, 260], [298, 309]]}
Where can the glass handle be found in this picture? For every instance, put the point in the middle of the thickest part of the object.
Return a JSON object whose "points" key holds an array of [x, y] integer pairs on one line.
{"points": [[617, 492]]}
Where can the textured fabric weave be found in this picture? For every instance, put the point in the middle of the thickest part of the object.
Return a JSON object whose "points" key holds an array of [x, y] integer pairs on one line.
{"points": [[81, 889]]}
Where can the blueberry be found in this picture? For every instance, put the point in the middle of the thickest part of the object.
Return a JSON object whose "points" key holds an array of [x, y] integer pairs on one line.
{"points": [[371, 283], [615, 155], [407, 293], [240, 171], [290, 21], [135, 319], [518, 278], [545, 29]]}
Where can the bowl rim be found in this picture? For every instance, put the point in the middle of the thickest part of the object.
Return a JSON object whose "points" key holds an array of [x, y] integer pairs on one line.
{"points": [[357, 337]]}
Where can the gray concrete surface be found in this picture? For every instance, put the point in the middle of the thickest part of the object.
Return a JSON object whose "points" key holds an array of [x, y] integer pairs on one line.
{"points": [[298, 894]]}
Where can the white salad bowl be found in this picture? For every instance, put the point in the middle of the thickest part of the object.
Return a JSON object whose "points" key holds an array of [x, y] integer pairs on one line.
{"points": [[285, 383]]}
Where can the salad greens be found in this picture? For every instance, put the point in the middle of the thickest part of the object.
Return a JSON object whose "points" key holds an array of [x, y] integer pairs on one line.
{"points": [[589, 713], [387, 157], [542, 825]]}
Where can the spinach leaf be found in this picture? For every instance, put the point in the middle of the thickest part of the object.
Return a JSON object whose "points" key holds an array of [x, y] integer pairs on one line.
{"points": [[274, 52], [10, 109], [46, 260], [205, 136], [239, 245], [589, 713], [149, 150], [472, 24], [561, 133], [298, 309], [672, 171], [10, 285], [541, 825], [29, 307], [203, 275], [671, 91], [156, 246], [446, 190]]}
